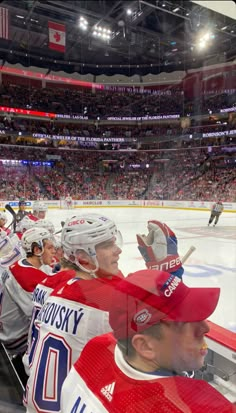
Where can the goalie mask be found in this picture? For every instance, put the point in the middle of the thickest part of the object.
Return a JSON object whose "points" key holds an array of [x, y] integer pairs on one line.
{"points": [[85, 232]]}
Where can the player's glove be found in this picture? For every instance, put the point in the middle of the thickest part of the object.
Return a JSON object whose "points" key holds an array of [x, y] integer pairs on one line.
{"points": [[159, 248]]}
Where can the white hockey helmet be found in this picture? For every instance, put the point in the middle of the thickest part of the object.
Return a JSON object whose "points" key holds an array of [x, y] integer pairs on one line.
{"points": [[3, 216], [39, 206], [57, 242], [34, 235], [85, 232], [24, 224], [44, 223]]}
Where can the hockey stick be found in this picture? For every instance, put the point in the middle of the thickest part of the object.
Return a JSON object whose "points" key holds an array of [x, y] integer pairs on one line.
{"points": [[188, 253], [13, 367], [60, 230], [12, 212]]}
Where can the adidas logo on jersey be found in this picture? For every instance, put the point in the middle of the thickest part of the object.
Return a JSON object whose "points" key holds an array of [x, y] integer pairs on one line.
{"points": [[108, 390]]}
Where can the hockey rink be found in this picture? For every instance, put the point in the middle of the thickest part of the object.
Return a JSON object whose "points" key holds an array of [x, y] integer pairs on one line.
{"points": [[213, 263]]}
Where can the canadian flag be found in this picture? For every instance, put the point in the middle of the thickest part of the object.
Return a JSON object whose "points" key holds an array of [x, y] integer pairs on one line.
{"points": [[57, 36]]}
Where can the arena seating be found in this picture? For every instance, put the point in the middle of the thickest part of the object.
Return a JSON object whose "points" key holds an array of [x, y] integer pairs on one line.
{"points": [[190, 173], [106, 103]]}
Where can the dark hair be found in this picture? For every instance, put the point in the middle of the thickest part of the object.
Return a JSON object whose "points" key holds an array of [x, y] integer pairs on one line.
{"points": [[126, 347], [68, 264], [33, 246]]}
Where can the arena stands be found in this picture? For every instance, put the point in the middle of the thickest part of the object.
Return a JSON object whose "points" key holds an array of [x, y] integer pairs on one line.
{"points": [[104, 104], [186, 173], [165, 143]]}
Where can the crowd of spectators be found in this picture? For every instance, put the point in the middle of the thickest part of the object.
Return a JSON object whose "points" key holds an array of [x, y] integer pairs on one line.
{"points": [[19, 131], [185, 166], [219, 184], [103, 104], [95, 129], [184, 174], [17, 182]]}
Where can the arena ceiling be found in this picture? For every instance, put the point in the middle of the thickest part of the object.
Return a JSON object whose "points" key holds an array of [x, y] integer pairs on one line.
{"points": [[156, 36]]}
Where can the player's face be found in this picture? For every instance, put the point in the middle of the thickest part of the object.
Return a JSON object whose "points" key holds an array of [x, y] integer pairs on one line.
{"points": [[59, 253], [2, 222], [108, 254], [48, 252], [182, 346], [41, 214]]}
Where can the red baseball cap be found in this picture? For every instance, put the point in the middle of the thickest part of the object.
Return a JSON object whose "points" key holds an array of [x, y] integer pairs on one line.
{"points": [[146, 297]]}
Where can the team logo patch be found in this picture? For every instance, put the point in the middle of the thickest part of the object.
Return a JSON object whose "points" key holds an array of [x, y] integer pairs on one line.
{"points": [[108, 391], [167, 282], [76, 222], [142, 317], [170, 285]]}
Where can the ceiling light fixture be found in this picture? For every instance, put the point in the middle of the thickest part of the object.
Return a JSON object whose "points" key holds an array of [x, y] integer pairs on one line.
{"points": [[83, 23], [102, 32]]}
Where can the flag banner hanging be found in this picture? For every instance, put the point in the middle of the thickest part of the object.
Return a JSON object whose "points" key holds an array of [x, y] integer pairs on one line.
{"points": [[4, 23], [57, 36]]}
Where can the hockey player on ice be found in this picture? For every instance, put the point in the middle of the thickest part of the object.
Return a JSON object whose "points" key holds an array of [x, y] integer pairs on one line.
{"points": [[68, 201], [216, 211]]}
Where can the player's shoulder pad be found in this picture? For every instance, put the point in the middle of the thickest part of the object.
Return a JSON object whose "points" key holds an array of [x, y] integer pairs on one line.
{"points": [[26, 275], [62, 276], [102, 345]]}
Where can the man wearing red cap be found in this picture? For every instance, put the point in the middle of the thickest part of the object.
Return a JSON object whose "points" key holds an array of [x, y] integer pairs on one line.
{"points": [[158, 327]]}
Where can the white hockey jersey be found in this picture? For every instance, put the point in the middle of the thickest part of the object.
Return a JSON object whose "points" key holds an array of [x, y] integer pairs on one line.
{"points": [[40, 295], [71, 316], [10, 250], [16, 286]]}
